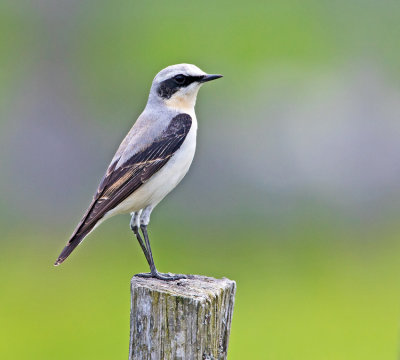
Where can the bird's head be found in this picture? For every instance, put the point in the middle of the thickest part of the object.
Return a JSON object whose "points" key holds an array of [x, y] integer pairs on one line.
{"points": [[177, 85]]}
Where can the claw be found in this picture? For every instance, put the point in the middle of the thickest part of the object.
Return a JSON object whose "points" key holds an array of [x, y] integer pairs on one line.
{"points": [[162, 276]]}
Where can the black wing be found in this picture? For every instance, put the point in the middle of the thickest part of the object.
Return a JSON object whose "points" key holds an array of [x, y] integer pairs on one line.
{"points": [[119, 183]]}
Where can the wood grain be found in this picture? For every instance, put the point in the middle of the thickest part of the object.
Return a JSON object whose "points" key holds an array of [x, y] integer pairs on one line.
{"points": [[183, 319]]}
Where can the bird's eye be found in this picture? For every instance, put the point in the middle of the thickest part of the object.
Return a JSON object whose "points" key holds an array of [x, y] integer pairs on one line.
{"points": [[180, 79]]}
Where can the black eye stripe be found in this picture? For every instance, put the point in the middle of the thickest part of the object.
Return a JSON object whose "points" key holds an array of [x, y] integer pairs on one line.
{"points": [[170, 86], [185, 80]]}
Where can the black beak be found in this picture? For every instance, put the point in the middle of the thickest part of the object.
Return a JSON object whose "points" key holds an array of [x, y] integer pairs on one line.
{"points": [[209, 78]]}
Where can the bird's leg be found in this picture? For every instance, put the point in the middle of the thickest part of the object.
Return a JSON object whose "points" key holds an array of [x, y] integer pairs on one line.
{"points": [[135, 228], [146, 239], [153, 270]]}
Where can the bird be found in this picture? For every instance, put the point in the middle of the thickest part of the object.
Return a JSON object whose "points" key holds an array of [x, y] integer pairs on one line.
{"points": [[152, 159]]}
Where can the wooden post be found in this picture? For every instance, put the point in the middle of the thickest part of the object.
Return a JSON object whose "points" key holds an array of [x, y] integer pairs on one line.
{"points": [[183, 319]]}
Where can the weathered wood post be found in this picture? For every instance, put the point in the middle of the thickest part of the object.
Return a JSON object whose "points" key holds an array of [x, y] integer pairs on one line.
{"points": [[183, 319]]}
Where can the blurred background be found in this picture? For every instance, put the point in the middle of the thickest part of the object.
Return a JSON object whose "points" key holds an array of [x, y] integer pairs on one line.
{"points": [[294, 191]]}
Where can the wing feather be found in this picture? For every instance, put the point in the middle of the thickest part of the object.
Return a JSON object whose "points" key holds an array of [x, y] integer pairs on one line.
{"points": [[121, 181]]}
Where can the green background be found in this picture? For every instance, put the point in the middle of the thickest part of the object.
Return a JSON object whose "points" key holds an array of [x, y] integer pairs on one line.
{"points": [[294, 191]]}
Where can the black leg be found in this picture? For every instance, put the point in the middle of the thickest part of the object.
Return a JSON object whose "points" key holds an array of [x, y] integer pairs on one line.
{"points": [[135, 230], [153, 270], [148, 247]]}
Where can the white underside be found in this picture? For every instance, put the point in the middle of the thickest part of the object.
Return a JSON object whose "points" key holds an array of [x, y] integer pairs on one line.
{"points": [[162, 182]]}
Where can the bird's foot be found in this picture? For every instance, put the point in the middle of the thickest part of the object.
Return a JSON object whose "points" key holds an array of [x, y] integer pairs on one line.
{"points": [[162, 276]]}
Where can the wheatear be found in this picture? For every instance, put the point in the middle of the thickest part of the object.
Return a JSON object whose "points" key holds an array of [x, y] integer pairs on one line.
{"points": [[152, 159]]}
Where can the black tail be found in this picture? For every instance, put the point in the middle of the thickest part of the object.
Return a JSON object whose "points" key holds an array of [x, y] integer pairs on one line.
{"points": [[71, 245]]}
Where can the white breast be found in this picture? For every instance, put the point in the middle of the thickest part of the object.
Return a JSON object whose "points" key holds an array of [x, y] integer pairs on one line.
{"points": [[165, 180]]}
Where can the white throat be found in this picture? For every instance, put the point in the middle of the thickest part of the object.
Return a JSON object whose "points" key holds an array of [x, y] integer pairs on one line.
{"points": [[183, 103], [185, 99]]}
